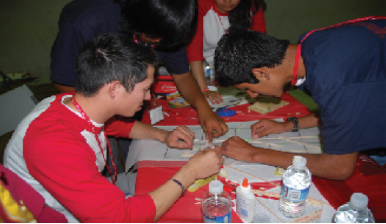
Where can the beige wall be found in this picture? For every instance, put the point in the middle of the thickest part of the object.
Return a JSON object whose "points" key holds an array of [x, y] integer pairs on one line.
{"points": [[28, 27]]}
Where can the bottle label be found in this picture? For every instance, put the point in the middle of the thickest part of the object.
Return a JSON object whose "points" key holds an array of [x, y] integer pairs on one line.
{"points": [[294, 194], [207, 72], [227, 218], [242, 207]]}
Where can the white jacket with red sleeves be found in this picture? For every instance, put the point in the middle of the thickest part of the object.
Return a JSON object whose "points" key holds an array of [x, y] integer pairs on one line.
{"points": [[210, 28], [54, 150]]}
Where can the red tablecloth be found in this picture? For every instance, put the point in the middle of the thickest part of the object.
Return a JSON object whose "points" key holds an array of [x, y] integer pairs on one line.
{"points": [[188, 115], [152, 174], [369, 178]]}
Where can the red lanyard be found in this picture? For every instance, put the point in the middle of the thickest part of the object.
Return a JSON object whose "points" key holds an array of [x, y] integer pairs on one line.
{"points": [[294, 80], [94, 131], [219, 17]]}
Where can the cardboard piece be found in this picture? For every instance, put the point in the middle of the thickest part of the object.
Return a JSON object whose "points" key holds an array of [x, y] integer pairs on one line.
{"points": [[265, 105], [15, 105]]}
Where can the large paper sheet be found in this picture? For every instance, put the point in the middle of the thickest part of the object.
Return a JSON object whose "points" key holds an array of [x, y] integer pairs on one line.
{"points": [[15, 105]]}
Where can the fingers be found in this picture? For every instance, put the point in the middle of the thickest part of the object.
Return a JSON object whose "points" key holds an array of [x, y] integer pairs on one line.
{"points": [[258, 129], [213, 96], [182, 133], [221, 127], [213, 126], [209, 134]]}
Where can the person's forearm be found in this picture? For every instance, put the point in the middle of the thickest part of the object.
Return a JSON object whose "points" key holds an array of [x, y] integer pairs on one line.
{"points": [[165, 196], [144, 131], [339, 167], [190, 90], [197, 70], [309, 121], [64, 89]]}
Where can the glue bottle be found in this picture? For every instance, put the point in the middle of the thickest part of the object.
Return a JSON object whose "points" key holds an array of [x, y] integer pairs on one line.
{"points": [[245, 202]]}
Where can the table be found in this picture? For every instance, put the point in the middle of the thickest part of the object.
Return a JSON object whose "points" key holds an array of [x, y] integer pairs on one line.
{"points": [[156, 163]]}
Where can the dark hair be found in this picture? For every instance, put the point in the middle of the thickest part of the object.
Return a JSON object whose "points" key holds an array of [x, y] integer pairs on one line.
{"points": [[240, 17], [111, 57], [238, 53], [172, 20]]}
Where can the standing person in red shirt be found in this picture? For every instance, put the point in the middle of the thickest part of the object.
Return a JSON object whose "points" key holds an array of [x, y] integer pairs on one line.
{"points": [[215, 17], [60, 148]]}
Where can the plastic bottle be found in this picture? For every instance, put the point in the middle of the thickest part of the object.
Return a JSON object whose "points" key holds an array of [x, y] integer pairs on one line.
{"points": [[216, 206], [295, 188], [354, 211], [209, 73], [245, 202]]}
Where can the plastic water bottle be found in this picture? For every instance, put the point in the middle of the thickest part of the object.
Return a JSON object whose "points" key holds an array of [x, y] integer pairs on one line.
{"points": [[295, 188], [216, 206], [354, 211], [209, 74]]}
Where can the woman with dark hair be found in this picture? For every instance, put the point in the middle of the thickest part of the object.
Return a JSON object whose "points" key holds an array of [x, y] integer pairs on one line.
{"points": [[215, 18], [165, 26]]}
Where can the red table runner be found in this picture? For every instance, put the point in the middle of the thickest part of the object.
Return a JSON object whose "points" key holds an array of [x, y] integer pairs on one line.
{"points": [[188, 115], [369, 178], [152, 174]]}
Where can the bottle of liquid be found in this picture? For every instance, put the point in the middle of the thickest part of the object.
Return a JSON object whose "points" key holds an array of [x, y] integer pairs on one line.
{"points": [[216, 205], [209, 74], [245, 202], [295, 188], [354, 211]]}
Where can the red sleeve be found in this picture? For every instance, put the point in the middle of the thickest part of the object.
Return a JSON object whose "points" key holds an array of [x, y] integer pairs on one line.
{"points": [[258, 22], [195, 48], [65, 166], [119, 127]]}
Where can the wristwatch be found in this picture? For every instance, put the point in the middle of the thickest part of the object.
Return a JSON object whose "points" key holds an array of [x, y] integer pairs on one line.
{"points": [[296, 123]]}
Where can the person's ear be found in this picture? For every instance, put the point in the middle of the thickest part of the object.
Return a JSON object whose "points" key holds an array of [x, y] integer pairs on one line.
{"points": [[261, 73], [114, 88]]}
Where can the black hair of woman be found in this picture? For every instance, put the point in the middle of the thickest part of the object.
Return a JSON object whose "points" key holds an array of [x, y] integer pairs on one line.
{"points": [[174, 21], [241, 16]]}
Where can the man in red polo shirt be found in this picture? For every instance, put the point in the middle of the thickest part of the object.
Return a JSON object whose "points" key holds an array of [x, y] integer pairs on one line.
{"points": [[60, 148]]}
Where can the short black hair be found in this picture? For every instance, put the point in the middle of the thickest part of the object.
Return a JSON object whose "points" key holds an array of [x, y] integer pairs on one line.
{"points": [[237, 53], [173, 20], [112, 57]]}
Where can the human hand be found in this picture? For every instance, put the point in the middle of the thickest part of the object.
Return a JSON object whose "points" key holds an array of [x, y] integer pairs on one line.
{"points": [[212, 124], [181, 138], [238, 149], [265, 127], [206, 162], [213, 96]]}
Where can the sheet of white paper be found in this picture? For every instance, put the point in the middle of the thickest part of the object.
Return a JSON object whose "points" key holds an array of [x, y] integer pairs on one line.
{"points": [[328, 213], [15, 105]]}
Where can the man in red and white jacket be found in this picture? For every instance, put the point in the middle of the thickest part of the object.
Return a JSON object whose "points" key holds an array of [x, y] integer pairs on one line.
{"points": [[60, 147]]}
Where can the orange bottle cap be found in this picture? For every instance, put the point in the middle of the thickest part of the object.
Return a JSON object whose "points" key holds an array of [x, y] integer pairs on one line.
{"points": [[245, 182]]}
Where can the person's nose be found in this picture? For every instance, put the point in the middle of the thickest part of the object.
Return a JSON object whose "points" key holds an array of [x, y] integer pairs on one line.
{"points": [[252, 94], [147, 95]]}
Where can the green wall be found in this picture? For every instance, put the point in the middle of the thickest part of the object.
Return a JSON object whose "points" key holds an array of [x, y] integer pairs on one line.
{"points": [[288, 19], [27, 31], [28, 27]]}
